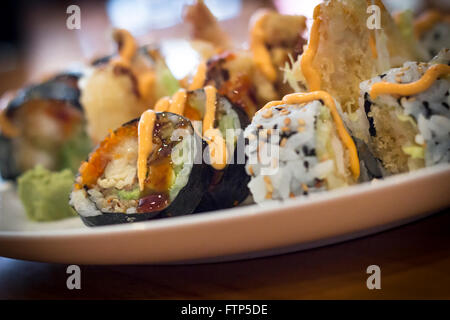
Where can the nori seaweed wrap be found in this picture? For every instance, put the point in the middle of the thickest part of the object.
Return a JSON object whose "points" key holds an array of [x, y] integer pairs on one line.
{"points": [[108, 190], [228, 186], [43, 124]]}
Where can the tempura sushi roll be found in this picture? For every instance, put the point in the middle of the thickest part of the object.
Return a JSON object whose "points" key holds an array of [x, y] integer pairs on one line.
{"points": [[148, 168], [297, 146], [407, 110], [123, 85], [221, 125], [344, 49], [43, 124]]}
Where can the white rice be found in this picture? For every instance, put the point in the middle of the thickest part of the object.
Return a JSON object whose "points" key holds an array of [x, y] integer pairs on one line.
{"points": [[428, 109], [285, 160]]}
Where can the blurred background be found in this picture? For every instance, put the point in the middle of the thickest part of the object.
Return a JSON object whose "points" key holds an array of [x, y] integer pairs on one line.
{"points": [[34, 39]]}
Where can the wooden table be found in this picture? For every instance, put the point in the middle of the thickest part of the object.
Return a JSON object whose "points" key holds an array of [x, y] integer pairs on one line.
{"points": [[414, 261]]}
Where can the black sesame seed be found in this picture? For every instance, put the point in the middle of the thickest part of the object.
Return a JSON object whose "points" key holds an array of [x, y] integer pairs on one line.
{"points": [[275, 126], [383, 75], [306, 164], [428, 111], [445, 104], [305, 193], [309, 152], [321, 101]]}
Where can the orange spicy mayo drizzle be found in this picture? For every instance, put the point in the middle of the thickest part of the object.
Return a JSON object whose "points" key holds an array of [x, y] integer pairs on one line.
{"points": [[145, 144], [127, 46], [412, 88], [261, 55], [213, 136], [311, 75], [427, 20], [199, 78], [162, 105], [127, 50], [272, 104], [296, 98], [174, 105], [178, 102]]}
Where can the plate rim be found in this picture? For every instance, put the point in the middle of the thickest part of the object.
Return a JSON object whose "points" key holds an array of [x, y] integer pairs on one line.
{"points": [[237, 213]]}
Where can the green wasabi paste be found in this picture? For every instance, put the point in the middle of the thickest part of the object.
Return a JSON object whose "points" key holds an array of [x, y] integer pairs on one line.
{"points": [[45, 194]]}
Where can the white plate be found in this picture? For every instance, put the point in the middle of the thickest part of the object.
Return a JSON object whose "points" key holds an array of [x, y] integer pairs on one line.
{"points": [[237, 233]]}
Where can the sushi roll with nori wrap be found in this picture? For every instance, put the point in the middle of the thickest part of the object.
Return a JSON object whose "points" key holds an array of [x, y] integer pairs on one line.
{"points": [[407, 114], [226, 122], [143, 170], [297, 146], [228, 186], [43, 124]]}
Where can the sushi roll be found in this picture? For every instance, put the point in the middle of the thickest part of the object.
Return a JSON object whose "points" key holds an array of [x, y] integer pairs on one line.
{"points": [[432, 30], [274, 39], [43, 124], [148, 168], [297, 146], [407, 114], [342, 51], [221, 125], [123, 85], [250, 78], [231, 73]]}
